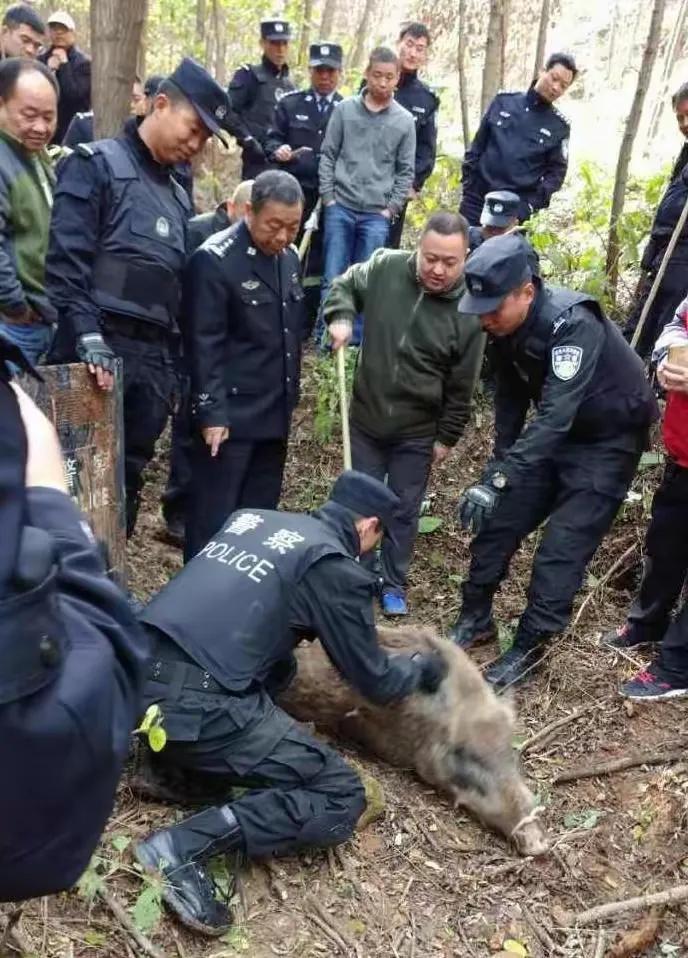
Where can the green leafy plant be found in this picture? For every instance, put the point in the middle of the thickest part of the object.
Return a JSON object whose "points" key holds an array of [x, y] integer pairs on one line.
{"points": [[151, 726], [327, 420]]}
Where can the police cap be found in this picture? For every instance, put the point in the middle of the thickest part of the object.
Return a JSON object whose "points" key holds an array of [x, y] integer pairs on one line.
{"points": [[500, 208], [150, 87], [365, 496], [206, 96], [496, 268], [275, 30], [325, 55]]}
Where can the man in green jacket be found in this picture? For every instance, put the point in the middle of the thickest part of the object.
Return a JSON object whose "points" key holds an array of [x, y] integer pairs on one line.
{"points": [[417, 370]]}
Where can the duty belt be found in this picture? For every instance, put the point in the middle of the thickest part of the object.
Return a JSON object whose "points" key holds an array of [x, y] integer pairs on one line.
{"points": [[183, 675]]}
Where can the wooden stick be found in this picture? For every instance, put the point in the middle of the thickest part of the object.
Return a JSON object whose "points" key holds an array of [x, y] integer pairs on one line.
{"points": [[603, 581], [344, 406], [671, 896], [540, 933], [620, 764], [144, 943], [310, 228], [553, 726], [600, 945], [336, 931]]}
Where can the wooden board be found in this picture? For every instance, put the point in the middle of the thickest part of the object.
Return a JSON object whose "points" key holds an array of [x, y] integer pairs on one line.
{"points": [[89, 424]]}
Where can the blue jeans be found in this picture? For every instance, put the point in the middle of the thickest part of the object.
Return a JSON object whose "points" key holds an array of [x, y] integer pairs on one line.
{"points": [[349, 237], [33, 338]]}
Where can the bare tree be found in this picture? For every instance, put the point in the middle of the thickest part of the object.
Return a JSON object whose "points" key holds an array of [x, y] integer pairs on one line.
{"points": [[220, 37], [669, 62], [362, 35], [201, 12], [543, 26], [327, 21], [305, 38], [630, 131], [461, 67], [116, 27], [493, 68]]}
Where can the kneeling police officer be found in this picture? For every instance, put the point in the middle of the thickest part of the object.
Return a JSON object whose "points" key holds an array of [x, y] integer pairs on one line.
{"points": [[570, 465], [224, 631]]}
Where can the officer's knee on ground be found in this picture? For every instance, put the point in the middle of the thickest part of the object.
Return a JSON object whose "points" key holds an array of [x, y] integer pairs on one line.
{"points": [[344, 802]]}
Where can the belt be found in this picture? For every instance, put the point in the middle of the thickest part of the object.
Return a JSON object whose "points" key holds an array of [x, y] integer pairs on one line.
{"points": [[183, 675]]}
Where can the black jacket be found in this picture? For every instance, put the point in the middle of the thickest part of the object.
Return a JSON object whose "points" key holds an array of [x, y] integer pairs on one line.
{"points": [[299, 123], [204, 225], [243, 324], [423, 105], [74, 81]]}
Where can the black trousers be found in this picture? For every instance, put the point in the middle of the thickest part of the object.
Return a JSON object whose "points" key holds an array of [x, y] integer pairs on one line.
{"points": [[578, 495], [301, 792], [177, 494], [405, 464], [396, 229], [149, 396], [671, 292], [243, 475], [313, 262], [664, 572]]}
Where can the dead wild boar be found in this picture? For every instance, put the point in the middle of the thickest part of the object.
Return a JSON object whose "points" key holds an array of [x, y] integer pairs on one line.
{"points": [[459, 739]]}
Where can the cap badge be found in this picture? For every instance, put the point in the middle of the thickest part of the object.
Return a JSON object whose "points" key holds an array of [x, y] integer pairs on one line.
{"points": [[497, 208], [279, 28], [250, 284], [325, 51], [476, 286], [221, 112], [162, 227]]}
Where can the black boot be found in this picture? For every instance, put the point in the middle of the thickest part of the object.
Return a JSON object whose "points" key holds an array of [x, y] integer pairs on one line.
{"points": [[176, 853], [521, 660], [475, 623]]}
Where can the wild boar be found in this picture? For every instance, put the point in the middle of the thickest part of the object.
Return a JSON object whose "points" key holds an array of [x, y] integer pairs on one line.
{"points": [[459, 739]]}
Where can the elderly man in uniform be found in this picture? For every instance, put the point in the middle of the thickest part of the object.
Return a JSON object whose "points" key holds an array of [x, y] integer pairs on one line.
{"points": [[224, 631], [571, 464], [117, 251], [72, 662], [254, 92], [244, 318], [522, 144], [295, 141]]}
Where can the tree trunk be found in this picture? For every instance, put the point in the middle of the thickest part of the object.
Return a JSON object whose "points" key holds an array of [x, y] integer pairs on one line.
{"points": [[116, 27], [461, 66], [673, 52], [624, 159], [327, 21], [543, 26], [612, 42], [220, 31], [201, 13], [305, 37], [362, 38], [493, 69]]}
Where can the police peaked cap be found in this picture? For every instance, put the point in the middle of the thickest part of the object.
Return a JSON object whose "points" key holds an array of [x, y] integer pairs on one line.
{"points": [[325, 54], [499, 208], [365, 496], [275, 30], [205, 95], [496, 268]]}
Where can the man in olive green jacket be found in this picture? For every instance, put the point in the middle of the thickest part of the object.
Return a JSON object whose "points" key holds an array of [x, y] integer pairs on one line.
{"points": [[416, 374]]}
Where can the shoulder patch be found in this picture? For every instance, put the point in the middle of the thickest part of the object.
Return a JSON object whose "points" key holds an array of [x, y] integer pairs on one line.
{"points": [[84, 149], [219, 243], [566, 361]]}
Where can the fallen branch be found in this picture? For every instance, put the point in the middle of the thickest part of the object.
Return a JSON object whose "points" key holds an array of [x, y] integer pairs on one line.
{"points": [[615, 566], [120, 913], [600, 945], [621, 764], [541, 933], [325, 921], [671, 896], [553, 726]]}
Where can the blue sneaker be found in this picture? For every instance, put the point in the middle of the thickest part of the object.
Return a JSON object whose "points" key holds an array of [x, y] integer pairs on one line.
{"points": [[394, 604]]}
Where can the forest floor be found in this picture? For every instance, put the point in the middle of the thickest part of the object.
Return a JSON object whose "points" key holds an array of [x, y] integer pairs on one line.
{"points": [[425, 880]]}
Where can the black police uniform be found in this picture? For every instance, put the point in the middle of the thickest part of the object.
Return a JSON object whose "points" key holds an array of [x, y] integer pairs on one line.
{"points": [[244, 321], [254, 92], [71, 678], [672, 288], [225, 629], [423, 105], [521, 145], [114, 265], [570, 465]]}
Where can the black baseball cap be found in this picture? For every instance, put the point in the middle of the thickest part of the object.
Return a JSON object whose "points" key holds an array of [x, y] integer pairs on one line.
{"points": [[275, 30], [325, 54], [150, 87], [492, 271], [499, 208], [206, 96], [365, 496]]}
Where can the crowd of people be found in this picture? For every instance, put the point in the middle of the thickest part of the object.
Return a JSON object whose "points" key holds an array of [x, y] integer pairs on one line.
{"points": [[103, 261]]}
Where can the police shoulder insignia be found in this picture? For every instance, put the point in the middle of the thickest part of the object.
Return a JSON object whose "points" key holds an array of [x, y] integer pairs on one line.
{"points": [[561, 116], [84, 149], [301, 116], [219, 243], [566, 361]]}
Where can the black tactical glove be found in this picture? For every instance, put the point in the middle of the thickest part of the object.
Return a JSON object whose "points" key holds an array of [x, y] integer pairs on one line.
{"points": [[92, 348], [253, 149], [476, 505], [433, 669]]}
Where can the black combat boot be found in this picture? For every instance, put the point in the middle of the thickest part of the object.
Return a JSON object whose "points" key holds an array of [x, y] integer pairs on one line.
{"points": [[475, 623], [177, 853], [520, 661]]}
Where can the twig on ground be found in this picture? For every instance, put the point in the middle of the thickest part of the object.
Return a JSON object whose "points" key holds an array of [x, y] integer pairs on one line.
{"points": [[621, 764], [614, 567], [553, 726], [464, 939], [178, 942], [328, 931], [426, 834], [600, 944], [336, 932], [671, 896], [120, 913], [541, 933], [11, 936]]}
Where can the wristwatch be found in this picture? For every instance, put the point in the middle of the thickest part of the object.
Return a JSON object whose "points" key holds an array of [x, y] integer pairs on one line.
{"points": [[499, 481]]}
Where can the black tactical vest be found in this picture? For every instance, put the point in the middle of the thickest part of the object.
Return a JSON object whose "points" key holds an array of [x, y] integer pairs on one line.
{"points": [[271, 88], [228, 609], [142, 247], [619, 398]]}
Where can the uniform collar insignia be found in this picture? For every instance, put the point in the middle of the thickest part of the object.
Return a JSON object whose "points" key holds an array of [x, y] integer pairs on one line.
{"points": [[251, 250]]}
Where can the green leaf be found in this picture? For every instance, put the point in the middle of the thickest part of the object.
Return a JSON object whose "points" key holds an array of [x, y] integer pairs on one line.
{"points": [[157, 737], [147, 910], [120, 842], [515, 947], [95, 938], [237, 939], [153, 716], [91, 882], [428, 524], [586, 818]]}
